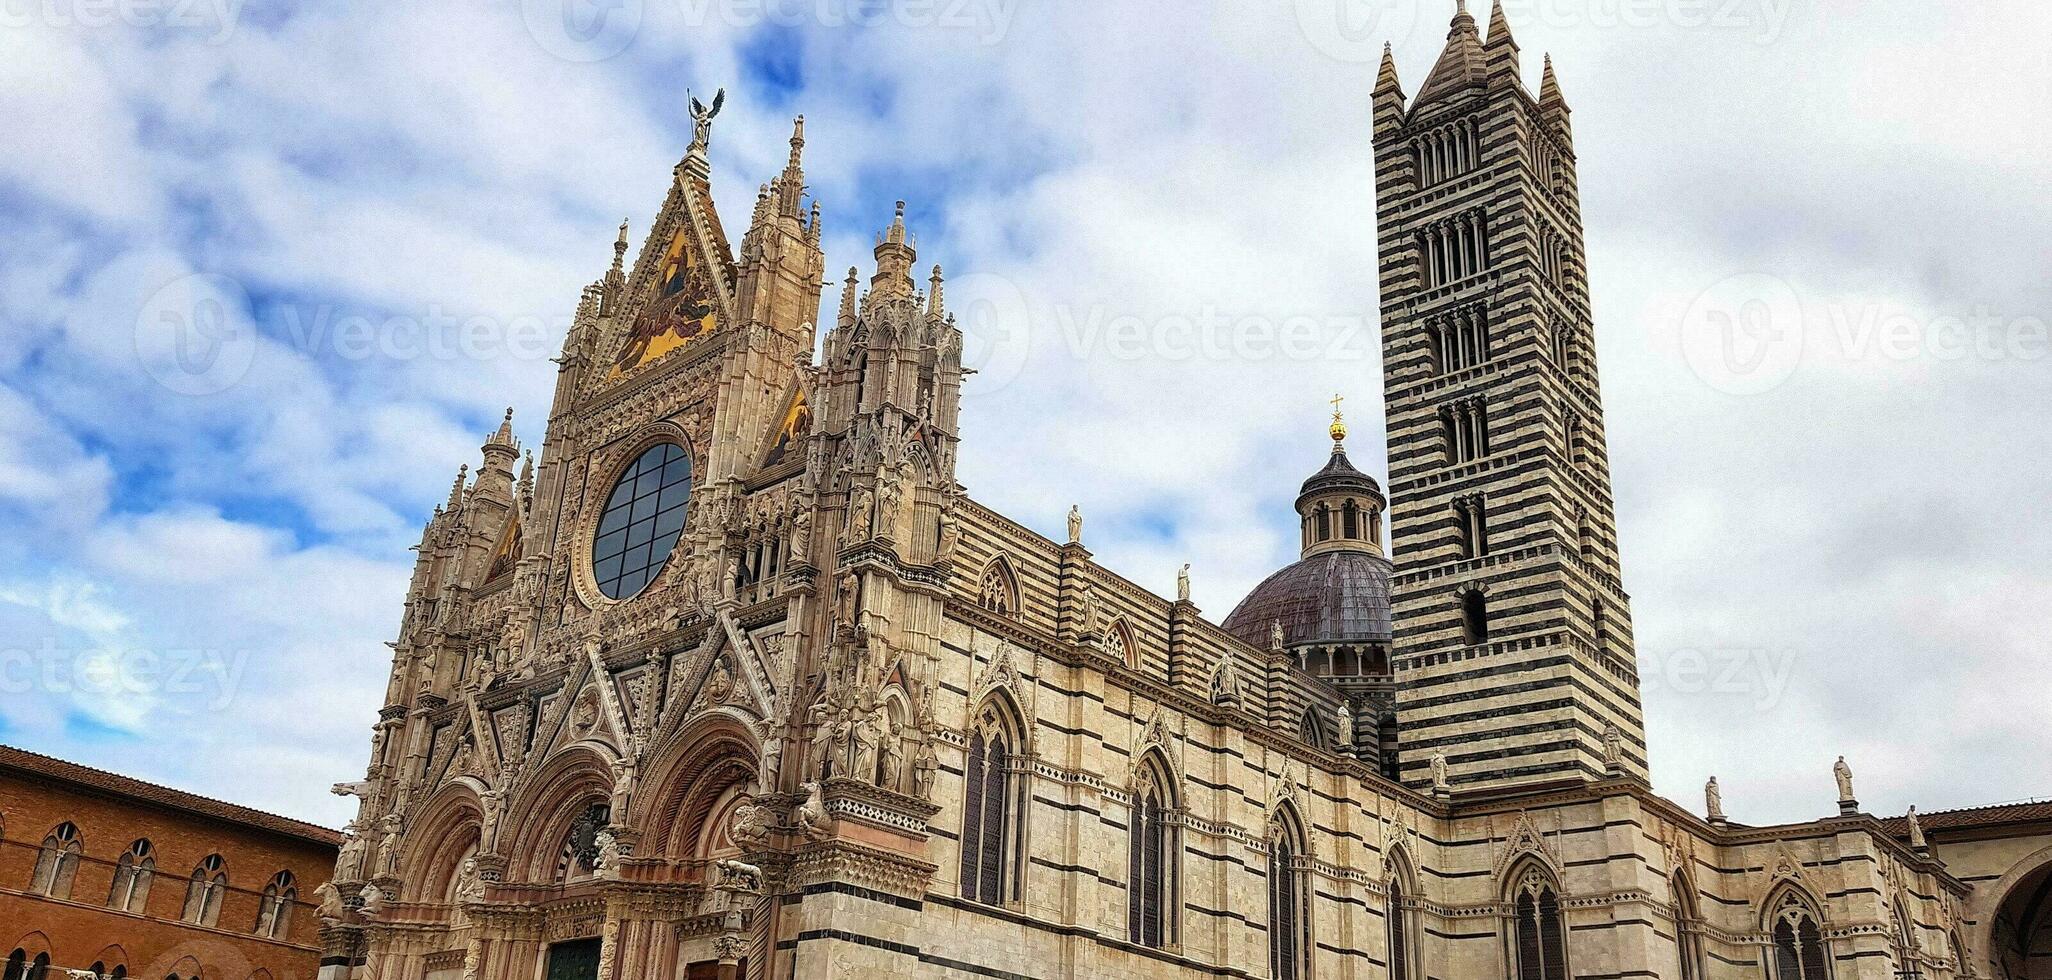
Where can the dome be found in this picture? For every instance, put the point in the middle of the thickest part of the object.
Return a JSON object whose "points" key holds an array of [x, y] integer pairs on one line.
{"points": [[1331, 597], [1339, 476]]}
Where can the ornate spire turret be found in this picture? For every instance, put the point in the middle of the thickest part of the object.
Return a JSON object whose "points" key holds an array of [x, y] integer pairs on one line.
{"points": [[934, 306], [1389, 93], [791, 183], [1340, 507], [846, 317], [894, 257], [456, 491]]}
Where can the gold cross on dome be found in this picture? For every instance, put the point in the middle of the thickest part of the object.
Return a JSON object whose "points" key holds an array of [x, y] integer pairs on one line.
{"points": [[1336, 399]]}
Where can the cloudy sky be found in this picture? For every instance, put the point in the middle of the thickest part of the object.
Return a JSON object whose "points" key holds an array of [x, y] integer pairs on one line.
{"points": [[269, 273]]}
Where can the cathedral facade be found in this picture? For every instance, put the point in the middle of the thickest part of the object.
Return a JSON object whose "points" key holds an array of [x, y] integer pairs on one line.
{"points": [[737, 681]]}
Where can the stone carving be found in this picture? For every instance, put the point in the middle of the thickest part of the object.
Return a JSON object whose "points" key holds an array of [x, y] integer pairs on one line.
{"points": [[392, 826], [1183, 583], [950, 535], [1916, 830], [925, 765], [469, 887], [1843, 774], [1439, 776], [1075, 524], [494, 807], [624, 779], [860, 511], [891, 759], [772, 755], [867, 732], [373, 899], [702, 117], [349, 863], [1088, 599], [1275, 636], [1713, 801], [720, 686], [1345, 716], [811, 815], [751, 826], [1613, 748]]}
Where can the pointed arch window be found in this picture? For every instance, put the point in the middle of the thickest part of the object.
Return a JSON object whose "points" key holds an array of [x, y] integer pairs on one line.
{"points": [[1540, 946], [1289, 926], [1397, 916], [1118, 644], [57, 862], [1798, 942], [997, 590], [21, 967], [133, 873], [274, 912], [1153, 856], [205, 890], [1310, 730], [990, 811], [1688, 924]]}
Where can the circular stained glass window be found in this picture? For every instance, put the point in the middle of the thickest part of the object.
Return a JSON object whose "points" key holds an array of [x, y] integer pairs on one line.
{"points": [[644, 516]]}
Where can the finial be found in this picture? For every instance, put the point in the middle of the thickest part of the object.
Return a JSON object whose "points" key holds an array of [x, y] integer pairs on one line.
{"points": [[1338, 429], [934, 307], [797, 139]]}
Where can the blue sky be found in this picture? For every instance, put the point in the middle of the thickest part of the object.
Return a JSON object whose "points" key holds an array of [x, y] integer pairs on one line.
{"points": [[269, 274]]}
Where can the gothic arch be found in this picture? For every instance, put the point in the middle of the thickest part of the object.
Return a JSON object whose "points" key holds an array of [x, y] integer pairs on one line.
{"points": [[1400, 925], [1290, 938], [2028, 883], [690, 780], [1118, 643], [1688, 924], [1793, 921], [33, 943], [555, 795], [1537, 946], [1398, 867], [993, 809], [997, 587], [1154, 853], [444, 831]]}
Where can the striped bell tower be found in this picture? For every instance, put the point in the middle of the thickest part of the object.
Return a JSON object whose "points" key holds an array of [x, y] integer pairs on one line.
{"points": [[1513, 654]]}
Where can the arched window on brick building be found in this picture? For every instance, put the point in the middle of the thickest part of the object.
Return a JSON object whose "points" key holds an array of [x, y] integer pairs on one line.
{"points": [[132, 876], [205, 890], [57, 863], [274, 913]]}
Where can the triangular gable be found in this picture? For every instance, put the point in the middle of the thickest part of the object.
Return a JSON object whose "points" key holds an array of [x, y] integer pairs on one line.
{"points": [[787, 439], [686, 290]]}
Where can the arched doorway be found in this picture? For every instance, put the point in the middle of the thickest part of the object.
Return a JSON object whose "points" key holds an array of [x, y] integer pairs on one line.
{"points": [[2022, 935]]}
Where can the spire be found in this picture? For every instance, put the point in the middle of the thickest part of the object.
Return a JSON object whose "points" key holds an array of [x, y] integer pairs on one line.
{"points": [[1552, 107], [1549, 89], [1502, 49], [615, 279], [1462, 63], [894, 256], [456, 492], [503, 439], [791, 183], [933, 296], [1389, 93], [847, 314]]}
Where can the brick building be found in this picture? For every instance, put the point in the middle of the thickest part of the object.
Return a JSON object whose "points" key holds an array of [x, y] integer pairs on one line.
{"points": [[125, 878]]}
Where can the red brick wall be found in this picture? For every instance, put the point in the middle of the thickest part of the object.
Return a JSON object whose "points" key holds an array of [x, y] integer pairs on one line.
{"points": [[155, 943]]}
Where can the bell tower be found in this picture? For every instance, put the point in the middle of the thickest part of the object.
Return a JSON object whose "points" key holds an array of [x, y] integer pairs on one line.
{"points": [[1514, 657]]}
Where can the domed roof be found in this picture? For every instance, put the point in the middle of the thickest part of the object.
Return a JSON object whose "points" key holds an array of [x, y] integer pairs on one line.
{"points": [[1331, 597], [1339, 475]]}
